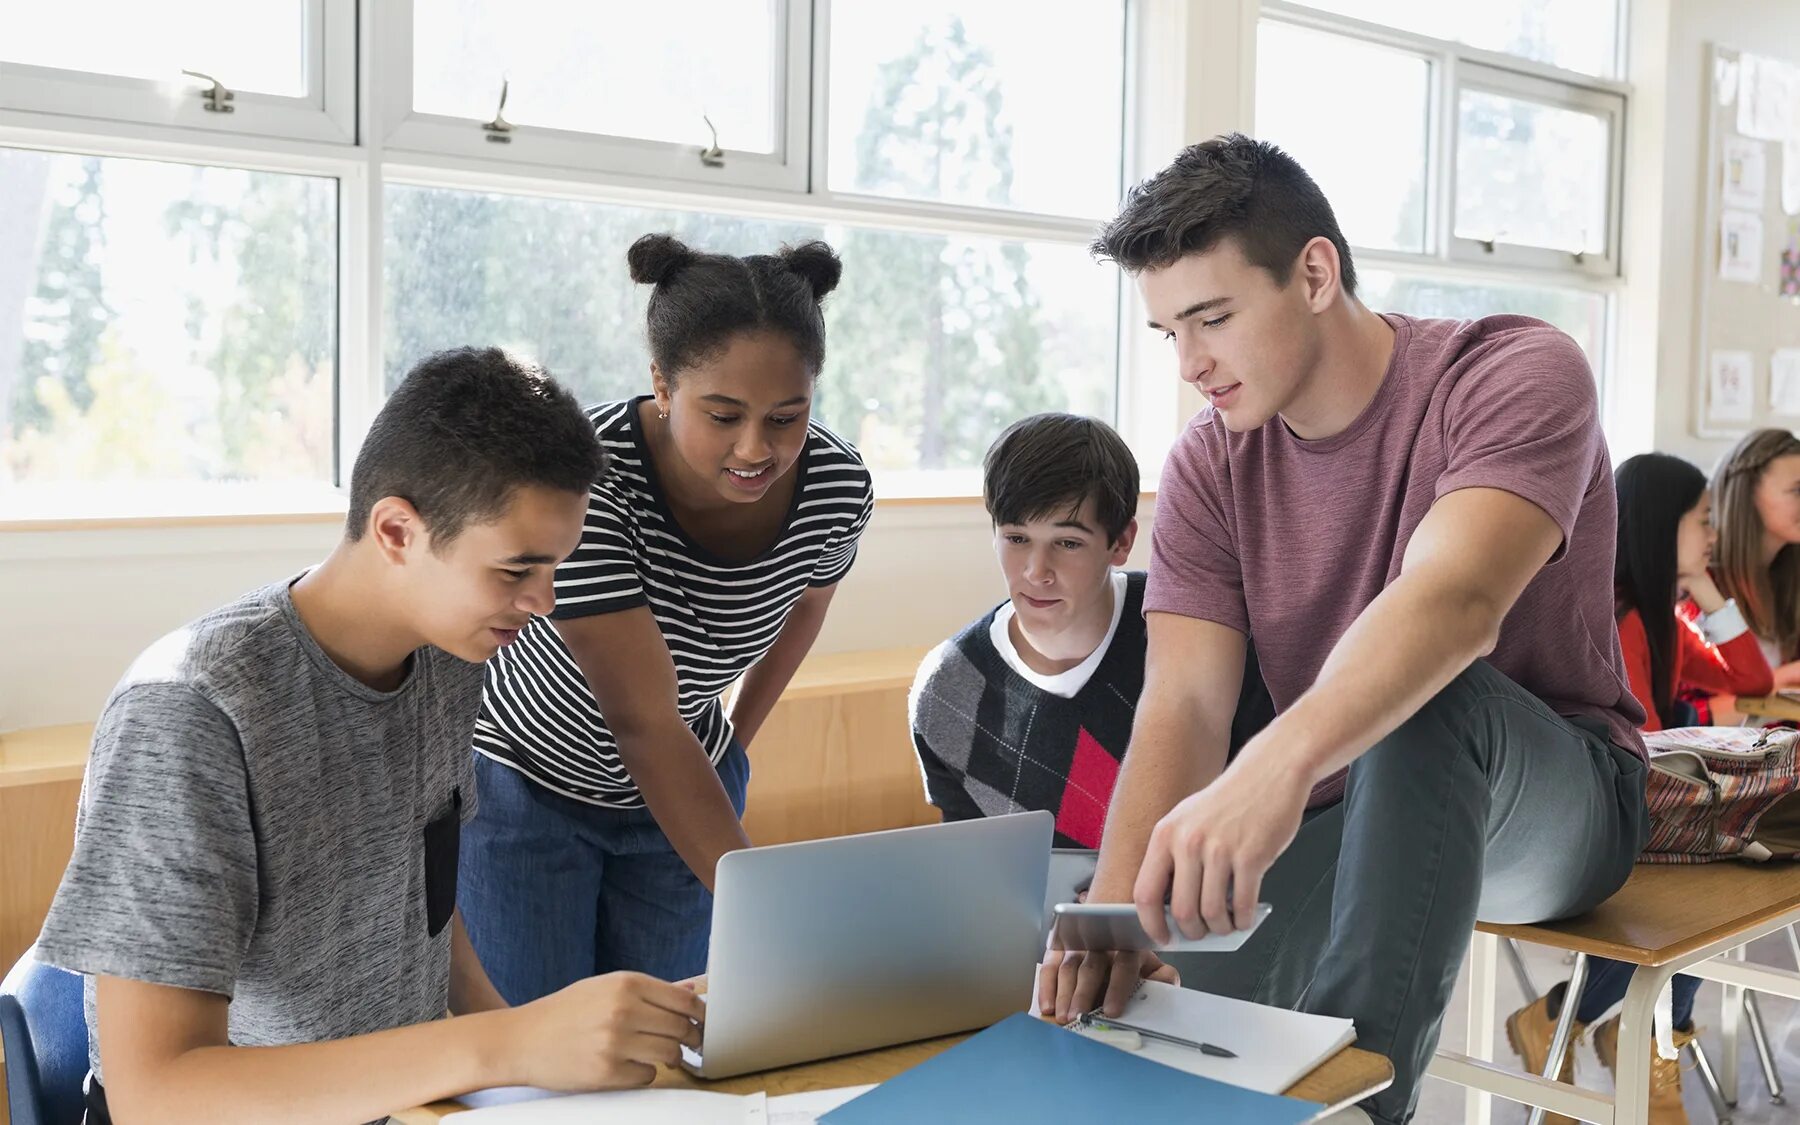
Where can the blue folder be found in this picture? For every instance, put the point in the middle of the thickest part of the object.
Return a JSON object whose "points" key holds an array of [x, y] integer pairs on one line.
{"points": [[1024, 1069]]}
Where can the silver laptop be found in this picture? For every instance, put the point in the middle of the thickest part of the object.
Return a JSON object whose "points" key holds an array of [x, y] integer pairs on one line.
{"points": [[834, 946]]}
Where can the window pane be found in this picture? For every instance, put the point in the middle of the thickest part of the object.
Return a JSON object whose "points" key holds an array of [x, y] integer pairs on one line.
{"points": [[1580, 313], [935, 341], [648, 71], [259, 46], [1530, 174], [1377, 195], [164, 323], [1579, 35], [966, 102]]}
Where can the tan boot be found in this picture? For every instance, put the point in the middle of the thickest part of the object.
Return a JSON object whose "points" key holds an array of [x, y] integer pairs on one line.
{"points": [[1665, 1074], [1530, 1030]]}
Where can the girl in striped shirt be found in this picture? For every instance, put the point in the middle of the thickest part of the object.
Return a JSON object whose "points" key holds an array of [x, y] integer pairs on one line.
{"points": [[610, 777]]}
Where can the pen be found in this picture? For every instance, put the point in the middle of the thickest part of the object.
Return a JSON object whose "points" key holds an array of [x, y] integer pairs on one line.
{"points": [[1093, 1019]]}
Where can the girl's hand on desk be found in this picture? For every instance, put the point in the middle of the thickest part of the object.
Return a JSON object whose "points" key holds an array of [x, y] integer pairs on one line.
{"points": [[602, 1033]]}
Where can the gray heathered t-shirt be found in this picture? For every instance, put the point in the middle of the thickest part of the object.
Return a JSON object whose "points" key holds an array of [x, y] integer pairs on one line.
{"points": [[253, 824]]}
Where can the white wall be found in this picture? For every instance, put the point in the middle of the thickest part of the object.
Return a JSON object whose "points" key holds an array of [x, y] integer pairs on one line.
{"points": [[77, 606], [1770, 27]]}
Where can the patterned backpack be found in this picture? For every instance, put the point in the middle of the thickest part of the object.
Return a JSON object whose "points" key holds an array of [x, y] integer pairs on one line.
{"points": [[1722, 793]]}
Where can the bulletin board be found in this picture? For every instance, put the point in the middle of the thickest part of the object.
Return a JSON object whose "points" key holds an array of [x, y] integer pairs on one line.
{"points": [[1747, 324]]}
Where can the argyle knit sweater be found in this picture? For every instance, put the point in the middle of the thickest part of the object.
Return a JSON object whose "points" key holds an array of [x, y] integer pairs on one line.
{"points": [[991, 742]]}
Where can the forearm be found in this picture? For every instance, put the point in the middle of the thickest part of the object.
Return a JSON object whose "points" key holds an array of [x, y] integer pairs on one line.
{"points": [[1170, 758], [343, 1080], [470, 988], [1401, 651], [682, 789], [763, 684]]}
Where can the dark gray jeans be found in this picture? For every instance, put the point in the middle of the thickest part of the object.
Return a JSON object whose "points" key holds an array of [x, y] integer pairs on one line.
{"points": [[1484, 805]]}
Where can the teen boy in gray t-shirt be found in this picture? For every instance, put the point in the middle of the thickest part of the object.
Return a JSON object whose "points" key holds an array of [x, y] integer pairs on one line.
{"points": [[267, 840]]}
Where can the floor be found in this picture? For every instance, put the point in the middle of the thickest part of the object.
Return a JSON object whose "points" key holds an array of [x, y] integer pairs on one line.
{"points": [[1441, 1103]]}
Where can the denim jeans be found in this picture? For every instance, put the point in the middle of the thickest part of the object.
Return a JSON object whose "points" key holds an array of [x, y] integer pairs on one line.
{"points": [[1606, 984], [554, 890], [1484, 805]]}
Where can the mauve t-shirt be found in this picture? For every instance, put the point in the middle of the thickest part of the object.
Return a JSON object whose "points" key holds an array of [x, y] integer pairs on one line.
{"points": [[1288, 540]]}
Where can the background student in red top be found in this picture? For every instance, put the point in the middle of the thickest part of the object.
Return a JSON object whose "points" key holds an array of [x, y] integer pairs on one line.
{"points": [[1679, 635]]}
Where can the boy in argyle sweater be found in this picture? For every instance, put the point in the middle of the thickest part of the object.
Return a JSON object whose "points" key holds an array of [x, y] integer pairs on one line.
{"points": [[1030, 707]]}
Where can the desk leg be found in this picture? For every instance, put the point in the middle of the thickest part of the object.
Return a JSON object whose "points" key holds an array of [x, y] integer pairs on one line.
{"points": [[1731, 1022], [1637, 1025], [1484, 982]]}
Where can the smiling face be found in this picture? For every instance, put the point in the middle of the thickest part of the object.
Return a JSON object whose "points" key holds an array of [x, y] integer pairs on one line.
{"points": [[738, 419], [1245, 342]]}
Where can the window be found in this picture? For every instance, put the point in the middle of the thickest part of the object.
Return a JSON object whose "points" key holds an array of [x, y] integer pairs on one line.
{"points": [[1466, 184], [961, 103], [623, 70], [933, 347], [204, 298], [1579, 312], [288, 66], [1378, 190], [1578, 35], [162, 325]]}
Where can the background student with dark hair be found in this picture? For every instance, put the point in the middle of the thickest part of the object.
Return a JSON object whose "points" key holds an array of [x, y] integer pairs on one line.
{"points": [[1372, 501], [611, 778], [263, 886], [1679, 635]]}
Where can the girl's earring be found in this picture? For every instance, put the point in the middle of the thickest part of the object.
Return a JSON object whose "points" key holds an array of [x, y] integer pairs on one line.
{"points": [[662, 415]]}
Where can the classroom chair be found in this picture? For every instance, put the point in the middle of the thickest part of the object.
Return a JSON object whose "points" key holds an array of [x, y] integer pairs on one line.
{"points": [[43, 1033]]}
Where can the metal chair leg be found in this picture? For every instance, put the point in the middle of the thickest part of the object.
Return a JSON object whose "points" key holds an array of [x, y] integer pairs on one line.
{"points": [[1565, 1025], [1511, 946], [1760, 1036], [1794, 944], [1710, 1082]]}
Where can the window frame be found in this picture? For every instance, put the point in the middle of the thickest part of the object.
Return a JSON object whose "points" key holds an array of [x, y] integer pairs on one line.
{"points": [[92, 100], [1457, 67], [373, 139], [425, 135]]}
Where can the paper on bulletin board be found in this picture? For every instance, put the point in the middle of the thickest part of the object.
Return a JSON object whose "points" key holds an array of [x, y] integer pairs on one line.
{"points": [[1725, 80], [1767, 92], [1784, 382], [1740, 246], [1790, 176], [1728, 391], [1745, 172]]}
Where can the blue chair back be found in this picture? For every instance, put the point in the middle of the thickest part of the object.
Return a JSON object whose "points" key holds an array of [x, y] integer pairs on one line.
{"points": [[43, 1031]]}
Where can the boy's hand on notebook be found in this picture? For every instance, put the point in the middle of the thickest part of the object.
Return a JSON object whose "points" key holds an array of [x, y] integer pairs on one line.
{"points": [[603, 1033], [1071, 982]]}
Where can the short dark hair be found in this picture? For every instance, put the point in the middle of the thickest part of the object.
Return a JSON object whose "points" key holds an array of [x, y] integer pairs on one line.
{"points": [[1228, 187], [1047, 464], [702, 301], [464, 431]]}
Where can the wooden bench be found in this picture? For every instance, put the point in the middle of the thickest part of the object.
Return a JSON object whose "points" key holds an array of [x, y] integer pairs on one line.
{"points": [[834, 757], [1694, 919]]}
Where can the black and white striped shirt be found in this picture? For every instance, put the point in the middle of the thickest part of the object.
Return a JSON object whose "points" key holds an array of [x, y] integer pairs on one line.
{"points": [[538, 714]]}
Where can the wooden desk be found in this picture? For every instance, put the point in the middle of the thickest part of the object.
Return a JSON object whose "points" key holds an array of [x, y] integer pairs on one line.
{"points": [[1770, 708], [1668, 911], [1345, 1078]]}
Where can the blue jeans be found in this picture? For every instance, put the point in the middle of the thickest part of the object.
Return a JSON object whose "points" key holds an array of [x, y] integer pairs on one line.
{"points": [[1485, 805], [1606, 984], [554, 890]]}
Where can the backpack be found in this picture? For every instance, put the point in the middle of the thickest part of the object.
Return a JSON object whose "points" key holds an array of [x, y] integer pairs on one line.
{"points": [[1722, 793]]}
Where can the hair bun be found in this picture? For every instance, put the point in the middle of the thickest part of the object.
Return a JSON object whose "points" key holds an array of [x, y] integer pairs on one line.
{"points": [[817, 263], [655, 256]]}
